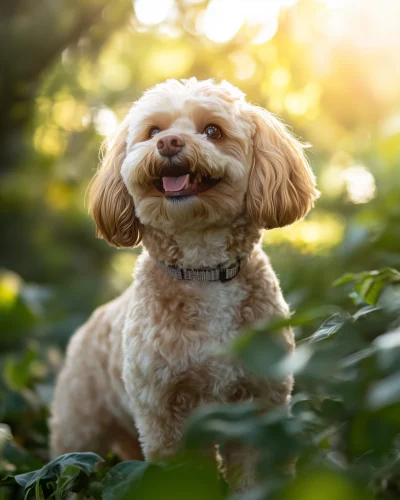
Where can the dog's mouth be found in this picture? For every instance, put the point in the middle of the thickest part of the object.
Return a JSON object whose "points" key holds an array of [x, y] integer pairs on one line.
{"points": [[184, 184]]}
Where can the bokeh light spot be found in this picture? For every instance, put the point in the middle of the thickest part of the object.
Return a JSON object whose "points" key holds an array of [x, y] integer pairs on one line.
{"points": [[244, 65], [105, 122], [222, 20], [319, 233], [280, 77], [268, 31], [58, 196], [360, 184], [49, 140], [153, 12], [168, 63], [115, 76]]}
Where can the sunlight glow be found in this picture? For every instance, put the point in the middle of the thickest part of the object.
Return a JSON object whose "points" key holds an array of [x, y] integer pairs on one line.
{"points": [[152, 12], [367, 25], [334, 4], [360, 184], [223, 19]]}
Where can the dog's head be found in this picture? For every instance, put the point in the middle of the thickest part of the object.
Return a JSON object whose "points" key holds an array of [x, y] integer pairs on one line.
{"points": [[195, 153]]}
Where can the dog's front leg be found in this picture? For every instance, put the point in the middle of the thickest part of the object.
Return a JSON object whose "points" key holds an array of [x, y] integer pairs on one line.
{"points": [[239, 466], [160, 433]]}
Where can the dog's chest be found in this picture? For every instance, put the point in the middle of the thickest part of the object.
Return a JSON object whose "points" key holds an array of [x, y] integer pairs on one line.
{"points": [[184, 325], [219, 304], [171, 346]]}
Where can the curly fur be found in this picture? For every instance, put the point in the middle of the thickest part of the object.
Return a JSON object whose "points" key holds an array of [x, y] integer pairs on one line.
{"points": [[143, 362]]}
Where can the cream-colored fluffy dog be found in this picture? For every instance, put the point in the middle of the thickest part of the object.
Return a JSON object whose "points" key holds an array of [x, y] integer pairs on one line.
{"points": [[194, 173]]}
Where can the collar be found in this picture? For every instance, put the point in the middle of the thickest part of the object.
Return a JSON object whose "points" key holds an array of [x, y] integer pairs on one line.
{"points": [[219, 273]]}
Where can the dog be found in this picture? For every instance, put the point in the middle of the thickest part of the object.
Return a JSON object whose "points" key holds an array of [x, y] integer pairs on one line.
{"points": [[195, 173]]}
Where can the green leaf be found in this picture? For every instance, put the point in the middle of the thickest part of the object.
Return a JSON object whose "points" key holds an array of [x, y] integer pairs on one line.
{"points": [[85, 462], [261, 353], [364, 311], [38, 491], [388, 350], [331, 326], [384, 392], [334, 486], [123, 478], [221, 423], [346, 278], [357, 357], [18, 371], [364, 286], [195, 478], [370, 284]]}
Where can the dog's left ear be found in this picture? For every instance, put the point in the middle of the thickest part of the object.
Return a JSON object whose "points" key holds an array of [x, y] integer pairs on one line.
{"points": [[282, 186]]}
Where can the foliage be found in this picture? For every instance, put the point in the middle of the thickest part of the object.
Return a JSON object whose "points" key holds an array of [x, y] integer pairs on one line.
{"points": [[342, 429], [71, 85]]}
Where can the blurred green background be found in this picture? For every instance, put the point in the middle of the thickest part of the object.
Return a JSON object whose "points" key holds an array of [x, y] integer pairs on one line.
{"points": [[69, 72]]}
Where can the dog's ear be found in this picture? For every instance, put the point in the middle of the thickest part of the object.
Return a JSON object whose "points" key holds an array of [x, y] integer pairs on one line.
{"points": [[281, 184], [110, 203]]}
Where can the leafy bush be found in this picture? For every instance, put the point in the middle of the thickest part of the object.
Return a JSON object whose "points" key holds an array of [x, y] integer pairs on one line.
{"points": [[342, 430]]}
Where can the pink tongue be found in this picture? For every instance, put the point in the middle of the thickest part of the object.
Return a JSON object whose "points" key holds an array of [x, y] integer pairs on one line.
{"points": [[175, 183]]}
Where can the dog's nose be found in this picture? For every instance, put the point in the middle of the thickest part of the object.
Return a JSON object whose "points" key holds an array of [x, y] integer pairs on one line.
{"points": [[170, 145]]}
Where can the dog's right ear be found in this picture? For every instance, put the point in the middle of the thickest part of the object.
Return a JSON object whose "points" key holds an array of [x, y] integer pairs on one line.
{"points": [[110, 204]]}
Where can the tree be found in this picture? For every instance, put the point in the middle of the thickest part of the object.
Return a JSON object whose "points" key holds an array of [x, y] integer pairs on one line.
{"points": [[31, 40]]}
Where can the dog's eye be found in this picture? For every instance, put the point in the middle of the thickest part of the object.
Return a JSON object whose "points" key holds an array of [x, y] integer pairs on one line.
{"points": [[213, 132], [154, 131]]}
